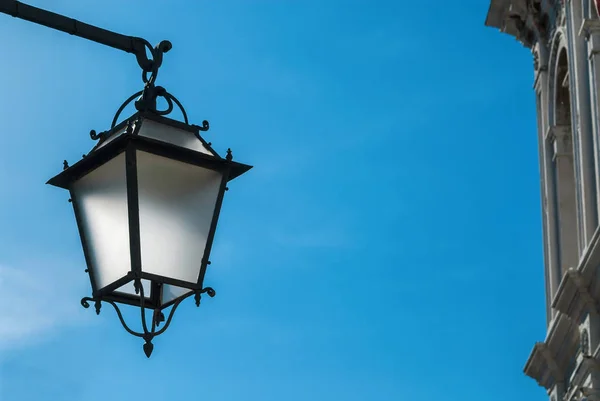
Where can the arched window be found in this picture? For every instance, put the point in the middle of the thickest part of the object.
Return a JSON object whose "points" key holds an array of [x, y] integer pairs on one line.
{"points": [[562, 103], [566, 222]]}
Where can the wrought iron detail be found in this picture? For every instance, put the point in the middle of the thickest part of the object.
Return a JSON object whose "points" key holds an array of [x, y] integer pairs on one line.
{"points": [[205, 126], [146, 102], [198, 294], [95, 136], [158, 317], [146, 99]]}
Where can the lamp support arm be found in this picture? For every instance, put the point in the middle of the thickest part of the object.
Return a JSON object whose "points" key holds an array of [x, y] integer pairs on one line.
{"points": [[129, 44]]}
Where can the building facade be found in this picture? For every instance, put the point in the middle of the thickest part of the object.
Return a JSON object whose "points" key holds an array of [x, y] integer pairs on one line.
{"points": [[564, 39]]}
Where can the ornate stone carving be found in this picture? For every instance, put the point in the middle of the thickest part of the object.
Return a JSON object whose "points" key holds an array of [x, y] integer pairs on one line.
{"points": [[558, 20], [529, 21], [538, 19]]}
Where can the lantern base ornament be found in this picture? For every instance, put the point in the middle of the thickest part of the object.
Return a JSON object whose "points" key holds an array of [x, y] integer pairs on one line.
{"points": [[157, 317]]}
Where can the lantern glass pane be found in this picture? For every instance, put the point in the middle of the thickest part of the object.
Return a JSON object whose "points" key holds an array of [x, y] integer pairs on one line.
{"points": [[101, 200], [176, 203], [129, 289], [172, 135], [172, 292]]}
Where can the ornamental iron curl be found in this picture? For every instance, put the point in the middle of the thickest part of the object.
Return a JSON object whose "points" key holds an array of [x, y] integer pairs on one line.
{"points": [[146, 99], [157, 316]]}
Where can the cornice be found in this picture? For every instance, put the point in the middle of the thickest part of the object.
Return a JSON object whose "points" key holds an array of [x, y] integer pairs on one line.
{"points": [[591, 257], [572, 297], [529, 21], [550, 360], [589, 27], [542, 367], [578, 291]]}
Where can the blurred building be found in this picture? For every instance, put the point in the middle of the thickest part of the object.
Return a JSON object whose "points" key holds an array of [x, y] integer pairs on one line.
{"points": [[564, 39]]}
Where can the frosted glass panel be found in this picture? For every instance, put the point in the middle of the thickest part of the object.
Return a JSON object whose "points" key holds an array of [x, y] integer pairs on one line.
{"points": [[175, 136], [171, 292], [177, 202], [129, 289], [102, 202]]}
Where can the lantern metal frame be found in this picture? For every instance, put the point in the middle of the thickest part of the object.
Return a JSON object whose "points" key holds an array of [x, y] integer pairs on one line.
{"points": [[129, 143], [123, 138]]}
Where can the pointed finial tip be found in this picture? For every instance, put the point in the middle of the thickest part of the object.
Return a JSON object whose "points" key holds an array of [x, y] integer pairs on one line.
{"points": [[148, 348]]}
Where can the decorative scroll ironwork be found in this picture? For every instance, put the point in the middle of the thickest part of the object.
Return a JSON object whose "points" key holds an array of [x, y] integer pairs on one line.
{"points": [[198, 294], [146, 99], [158, 317]]}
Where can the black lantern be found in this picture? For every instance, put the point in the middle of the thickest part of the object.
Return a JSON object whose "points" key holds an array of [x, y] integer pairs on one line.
{"points": [[147, 199]]}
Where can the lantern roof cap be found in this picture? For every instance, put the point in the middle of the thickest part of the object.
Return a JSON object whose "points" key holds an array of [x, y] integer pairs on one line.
{"points": [[193, 149]]}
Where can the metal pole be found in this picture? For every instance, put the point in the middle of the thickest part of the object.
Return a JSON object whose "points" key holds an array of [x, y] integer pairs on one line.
{"points": [[129, 44]]}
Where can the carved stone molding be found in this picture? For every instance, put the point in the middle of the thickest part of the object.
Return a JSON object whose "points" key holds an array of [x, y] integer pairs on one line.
{"points": [[550, 360], [529, 21], [542, 367], [590, 30], [573, 297], [589, 27], [579, 289], [561, 139]]}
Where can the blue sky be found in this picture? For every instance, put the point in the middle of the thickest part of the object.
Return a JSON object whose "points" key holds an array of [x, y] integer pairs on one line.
{"points": [[386, 246]]}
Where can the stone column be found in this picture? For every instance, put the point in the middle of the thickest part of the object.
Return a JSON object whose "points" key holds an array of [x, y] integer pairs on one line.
{"points": [[590, 30], [561, 138], [582, 129], [547, 181]]}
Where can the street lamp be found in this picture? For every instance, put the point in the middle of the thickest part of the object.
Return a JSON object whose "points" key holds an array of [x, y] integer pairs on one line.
{"points": [[147, 197]]}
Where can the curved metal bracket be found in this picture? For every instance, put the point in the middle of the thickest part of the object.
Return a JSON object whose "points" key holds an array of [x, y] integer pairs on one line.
{"points": [[157, 318], [147, 102], [149, 58], [198, 294], [150, 65], [151, 92], [120, 110], [148, 97]]}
